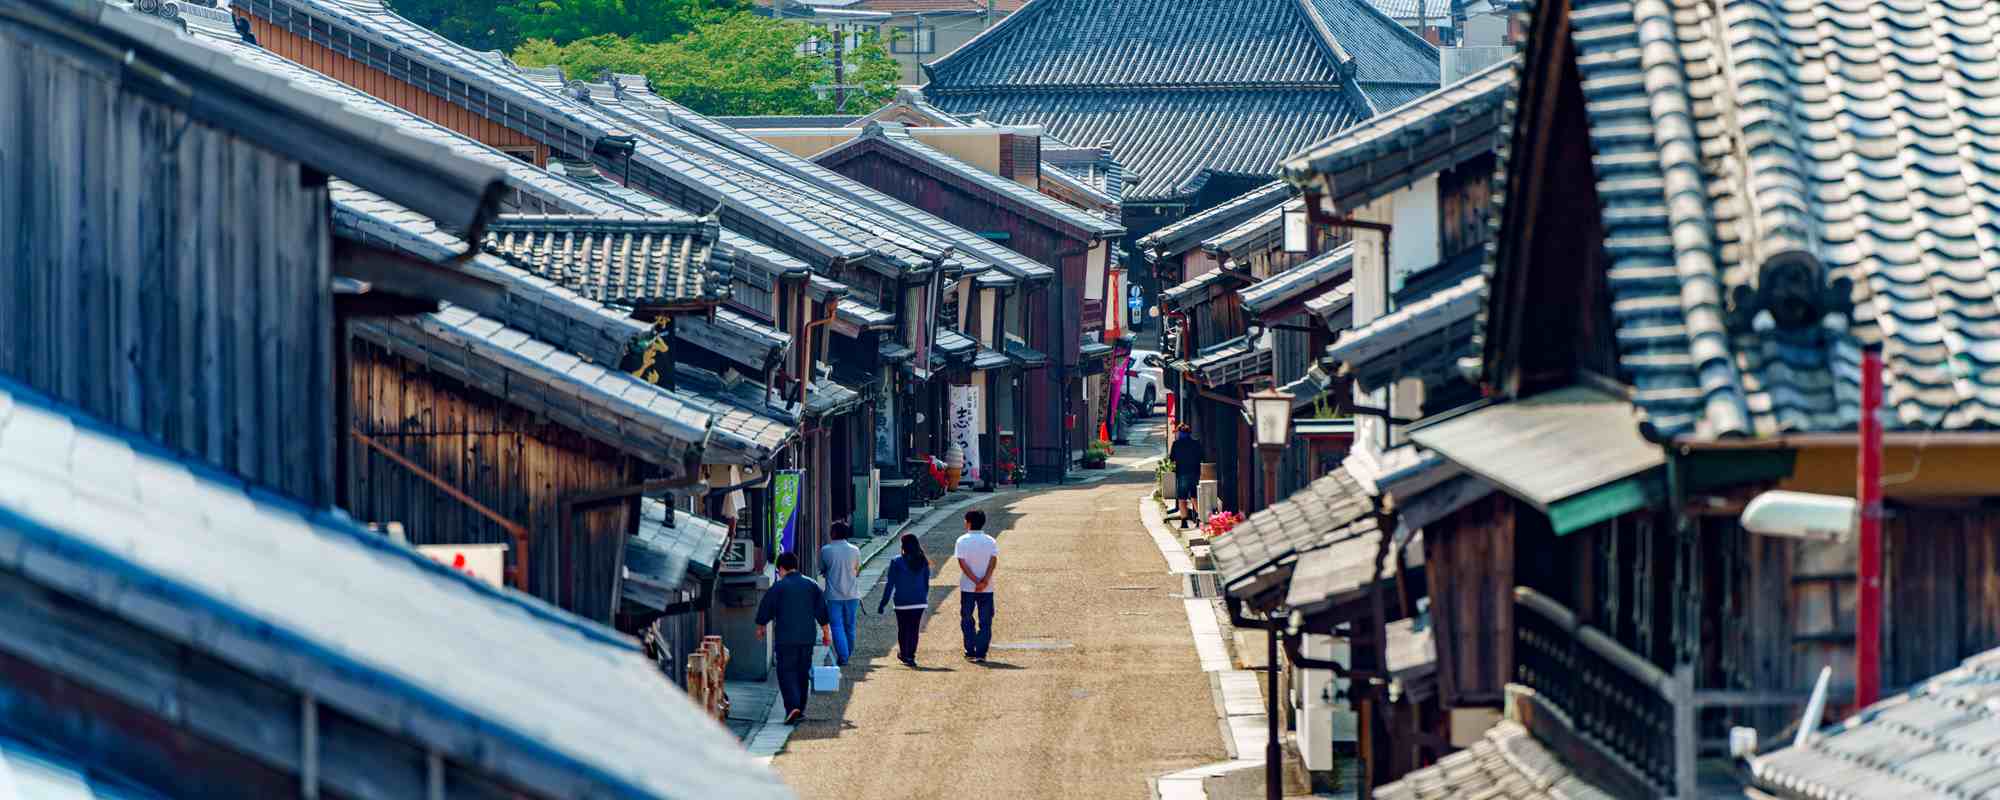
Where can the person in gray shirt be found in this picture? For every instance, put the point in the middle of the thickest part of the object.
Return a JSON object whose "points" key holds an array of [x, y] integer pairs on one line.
{"points": [[840, 567]]}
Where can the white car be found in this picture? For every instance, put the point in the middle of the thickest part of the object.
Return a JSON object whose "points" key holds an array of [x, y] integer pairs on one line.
{"points": [[1145, 380]]}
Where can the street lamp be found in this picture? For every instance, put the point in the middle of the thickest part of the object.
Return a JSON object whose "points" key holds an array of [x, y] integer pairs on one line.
{"points": [[1271, 429]]}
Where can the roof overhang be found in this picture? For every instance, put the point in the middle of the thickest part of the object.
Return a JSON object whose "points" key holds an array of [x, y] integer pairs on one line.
{"points": [[1574, 453]]}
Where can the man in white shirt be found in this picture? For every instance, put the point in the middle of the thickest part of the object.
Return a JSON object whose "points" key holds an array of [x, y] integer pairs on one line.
{"points": [[978, 557]]}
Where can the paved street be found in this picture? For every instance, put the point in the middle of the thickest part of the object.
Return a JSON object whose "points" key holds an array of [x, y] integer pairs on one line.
{"points": [[1092, 687]]}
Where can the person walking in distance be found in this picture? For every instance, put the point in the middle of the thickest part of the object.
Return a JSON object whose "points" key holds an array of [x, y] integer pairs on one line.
{"points": [[795, 606], [978, 557], [1186, 455], [840, 567], [908, 586]]}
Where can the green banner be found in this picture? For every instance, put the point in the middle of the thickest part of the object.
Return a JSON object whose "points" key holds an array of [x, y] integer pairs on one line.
{"points": [[785, 508]]}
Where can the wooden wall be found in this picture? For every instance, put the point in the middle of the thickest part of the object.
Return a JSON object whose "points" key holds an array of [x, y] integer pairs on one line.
{"points": [[1469, 563], [176, 291], [390, 89], [507, 459]]}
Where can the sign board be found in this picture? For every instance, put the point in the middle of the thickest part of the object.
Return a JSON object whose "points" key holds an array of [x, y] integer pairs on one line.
{"points": [[965, 427], [785, 508], [738, 557], [1135, 301], [485, 562]]}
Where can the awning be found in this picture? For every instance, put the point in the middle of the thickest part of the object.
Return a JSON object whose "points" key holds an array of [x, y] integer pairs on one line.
{"points": [[1311, 517], [1332, 584], [1423, 339], [989, 358], [1026, 356], [1231, 361], [1574, 453], [661, 557]]}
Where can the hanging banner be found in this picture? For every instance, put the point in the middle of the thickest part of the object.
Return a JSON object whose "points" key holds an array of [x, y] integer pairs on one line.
{"points": [[965, 427], [785, 508]]}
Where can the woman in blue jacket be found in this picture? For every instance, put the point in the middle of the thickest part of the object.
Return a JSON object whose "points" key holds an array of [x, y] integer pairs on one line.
{"points": [[908, 585]]}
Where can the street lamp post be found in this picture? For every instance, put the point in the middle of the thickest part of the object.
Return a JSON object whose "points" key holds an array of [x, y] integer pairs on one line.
{"points": [[1271, 426]]}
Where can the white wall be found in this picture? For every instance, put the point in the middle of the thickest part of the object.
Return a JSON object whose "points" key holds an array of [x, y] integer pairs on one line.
{"points": [[1413, 244]]}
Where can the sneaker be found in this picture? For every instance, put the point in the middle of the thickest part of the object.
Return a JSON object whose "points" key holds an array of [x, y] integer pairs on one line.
{"points": [[978, 659], [796, 716], [908, 662]]}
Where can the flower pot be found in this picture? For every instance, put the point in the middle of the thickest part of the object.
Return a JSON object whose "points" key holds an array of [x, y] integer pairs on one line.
{"points": [[1166, 481]]}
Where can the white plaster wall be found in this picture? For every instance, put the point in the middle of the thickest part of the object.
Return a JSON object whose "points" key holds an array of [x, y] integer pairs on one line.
{"points": [[1413, 244]]}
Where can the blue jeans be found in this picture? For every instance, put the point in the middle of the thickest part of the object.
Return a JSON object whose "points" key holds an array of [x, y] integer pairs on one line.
{"points": [[976, 638], [842, 613]]}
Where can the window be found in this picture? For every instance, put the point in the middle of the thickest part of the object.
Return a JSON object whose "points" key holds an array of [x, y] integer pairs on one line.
{"points": [[524, 153], [914, 39]]}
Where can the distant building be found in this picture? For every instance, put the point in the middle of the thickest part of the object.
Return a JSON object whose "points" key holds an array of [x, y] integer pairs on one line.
{"points": [[1198, 100], [914, 31]]}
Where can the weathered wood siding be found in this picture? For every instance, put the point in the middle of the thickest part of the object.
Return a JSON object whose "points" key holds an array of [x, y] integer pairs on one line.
{"points": [[509, 460], [164, 276], [390, 89], [1469, 563]]}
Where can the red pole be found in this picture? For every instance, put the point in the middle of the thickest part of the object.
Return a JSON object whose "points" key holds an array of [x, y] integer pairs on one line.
{"points": [[1868, 495]]}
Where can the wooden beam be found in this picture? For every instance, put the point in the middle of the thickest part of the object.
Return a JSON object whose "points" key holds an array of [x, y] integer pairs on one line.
{"points": [[392, 271]]}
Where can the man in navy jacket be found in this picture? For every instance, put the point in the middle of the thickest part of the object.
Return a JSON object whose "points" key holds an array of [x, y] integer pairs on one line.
{"points": [[796, 604]]}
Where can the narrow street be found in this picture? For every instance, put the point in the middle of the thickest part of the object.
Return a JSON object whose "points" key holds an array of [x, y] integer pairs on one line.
{"points": [[1092, 686]]}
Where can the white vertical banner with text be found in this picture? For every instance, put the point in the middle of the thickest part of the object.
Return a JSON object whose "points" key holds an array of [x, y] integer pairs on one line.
{"points": [[965, 426]]}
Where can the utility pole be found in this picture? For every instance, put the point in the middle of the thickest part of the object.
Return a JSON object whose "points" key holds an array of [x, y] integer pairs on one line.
{"points": [[839, 72]]}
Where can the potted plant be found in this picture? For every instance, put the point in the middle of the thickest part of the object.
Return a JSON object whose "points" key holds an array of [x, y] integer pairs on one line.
{"points": [[1096, 454], [1163, 475], [1220, 523]]}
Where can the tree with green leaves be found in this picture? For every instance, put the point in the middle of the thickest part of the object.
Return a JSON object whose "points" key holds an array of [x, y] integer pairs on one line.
{"points": [[478, 24], [650, 21], [738, 65]]}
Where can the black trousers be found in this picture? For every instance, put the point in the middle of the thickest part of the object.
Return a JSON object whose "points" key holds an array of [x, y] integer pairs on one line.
{"points": [[908, 622], [794, 665], [976, 607]]}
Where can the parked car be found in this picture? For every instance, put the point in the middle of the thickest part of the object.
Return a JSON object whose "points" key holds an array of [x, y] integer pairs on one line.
{"points": [[1145, 380]]}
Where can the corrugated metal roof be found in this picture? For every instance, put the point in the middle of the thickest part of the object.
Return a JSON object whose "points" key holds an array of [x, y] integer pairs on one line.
{"points": [[1547, 448], [1932, 741], [367, 626], [1816, 158]]}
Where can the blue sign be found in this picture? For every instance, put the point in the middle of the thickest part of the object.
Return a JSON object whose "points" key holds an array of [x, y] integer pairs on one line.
{"points": [[1135, 301]]}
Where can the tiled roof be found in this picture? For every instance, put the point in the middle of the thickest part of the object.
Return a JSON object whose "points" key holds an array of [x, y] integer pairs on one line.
{"points": [[628, 261], [1285, 287], [1310, 518], [368, 627], [1103, 43], [1040, 206], [1243, 236], [1229, 362], [1782, 189], [941, 6], [1507, 762], [862, 314], [1198, 288], [556, 321], [1934, 741], [37, 774], [826, 397], [970, 251], [1190, 231], [1343, 570], [603, 403], [1026, 356], [659, 557], [563, 193], [1373, 158], [1184, 90], [1333, 307], [1174, 139], [785, 121], [1438, 328]]}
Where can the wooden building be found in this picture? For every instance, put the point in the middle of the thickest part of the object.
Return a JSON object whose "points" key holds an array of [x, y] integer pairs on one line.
{"points": [[195, 638], [109, 268], [1061, 304]]}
